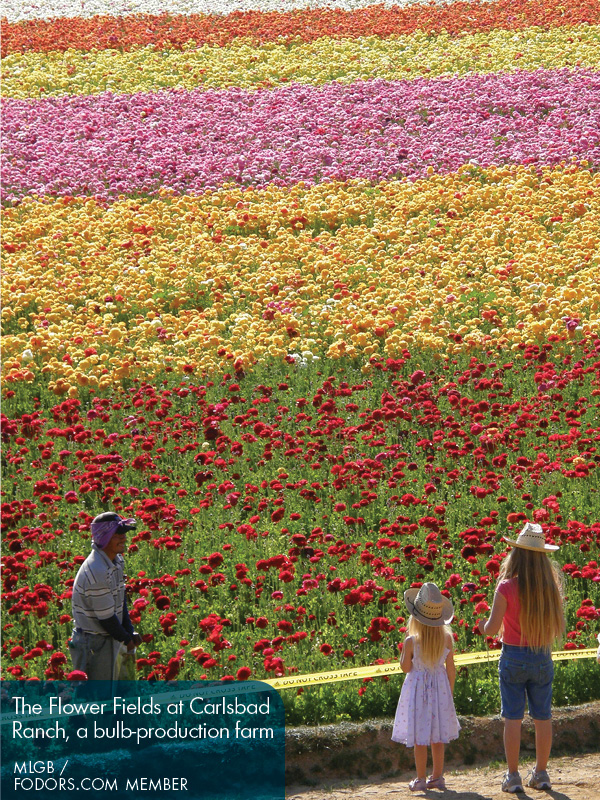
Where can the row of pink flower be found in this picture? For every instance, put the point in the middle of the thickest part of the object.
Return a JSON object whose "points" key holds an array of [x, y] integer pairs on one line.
{"points": [[109, 144]]}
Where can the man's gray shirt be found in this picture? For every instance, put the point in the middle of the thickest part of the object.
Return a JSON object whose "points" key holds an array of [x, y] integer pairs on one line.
{"points": [[98, 591]]}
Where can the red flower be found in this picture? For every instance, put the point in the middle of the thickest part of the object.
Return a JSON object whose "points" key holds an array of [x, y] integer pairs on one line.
{"points": [[492, 567], [243, 673], [215, 560], [35, 652], [57, 659], [77, 675], [277, 514]]}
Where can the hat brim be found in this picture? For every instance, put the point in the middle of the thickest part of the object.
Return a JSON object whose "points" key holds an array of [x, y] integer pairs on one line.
{"points": [[410, 595], [547, 548], [125, 525]]}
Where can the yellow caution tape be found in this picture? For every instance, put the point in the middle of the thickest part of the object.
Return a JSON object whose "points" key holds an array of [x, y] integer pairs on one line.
{"points": [[296, 681], [381, 670]]}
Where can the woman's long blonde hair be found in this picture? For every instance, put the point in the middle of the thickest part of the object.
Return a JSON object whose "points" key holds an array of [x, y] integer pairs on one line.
{"points": [[430, 640], [539, 584]]}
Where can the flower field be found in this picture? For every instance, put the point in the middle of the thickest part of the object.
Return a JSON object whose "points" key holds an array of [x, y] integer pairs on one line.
{"points": [[313, 294]]}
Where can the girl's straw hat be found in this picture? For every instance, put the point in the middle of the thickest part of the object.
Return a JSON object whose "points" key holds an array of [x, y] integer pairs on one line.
{"points": [[532, 538], [429, 605]]}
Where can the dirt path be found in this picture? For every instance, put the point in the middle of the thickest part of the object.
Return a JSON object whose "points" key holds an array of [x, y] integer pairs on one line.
{"points": [[573, 778]]}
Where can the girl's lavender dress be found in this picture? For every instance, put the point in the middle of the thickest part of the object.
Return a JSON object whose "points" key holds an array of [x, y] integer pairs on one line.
{"points": [[425, 712]]}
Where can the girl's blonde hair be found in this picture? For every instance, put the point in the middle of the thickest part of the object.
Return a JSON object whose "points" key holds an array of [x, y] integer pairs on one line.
{"points": [[539, 584], [430, 639]]}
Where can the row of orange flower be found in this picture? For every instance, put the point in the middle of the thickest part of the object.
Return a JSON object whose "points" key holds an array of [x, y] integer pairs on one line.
{"points": [[139, 30]]}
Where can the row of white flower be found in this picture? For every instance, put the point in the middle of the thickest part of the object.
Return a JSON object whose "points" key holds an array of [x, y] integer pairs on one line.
{"points": [[20, 10]]}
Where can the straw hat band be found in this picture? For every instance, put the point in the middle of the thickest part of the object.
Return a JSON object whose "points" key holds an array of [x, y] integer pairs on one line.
{"points": [[532, 537], [429, 610], [535, 537], [428, 605]]}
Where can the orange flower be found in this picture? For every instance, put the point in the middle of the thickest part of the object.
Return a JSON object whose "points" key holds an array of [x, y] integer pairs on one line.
{"points": [[128, 33]]}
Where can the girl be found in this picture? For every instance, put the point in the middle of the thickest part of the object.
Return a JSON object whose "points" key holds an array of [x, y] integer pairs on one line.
{"points": [[528, 606], [425, 713]]}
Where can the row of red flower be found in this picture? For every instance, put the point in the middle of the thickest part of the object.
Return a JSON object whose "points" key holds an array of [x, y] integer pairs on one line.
{"points": [[302, 515]]}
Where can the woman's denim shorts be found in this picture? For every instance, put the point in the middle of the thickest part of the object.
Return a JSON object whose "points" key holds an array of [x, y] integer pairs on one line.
{"points": [[525, 673]]}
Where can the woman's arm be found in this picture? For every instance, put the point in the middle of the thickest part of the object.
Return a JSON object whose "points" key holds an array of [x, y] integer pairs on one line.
{"points": [[494, 623], [406, 658], [451, 669]]}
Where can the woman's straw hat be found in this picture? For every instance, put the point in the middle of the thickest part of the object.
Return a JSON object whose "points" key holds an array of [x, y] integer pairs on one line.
{"points": [[429, 605], [532, 538]]}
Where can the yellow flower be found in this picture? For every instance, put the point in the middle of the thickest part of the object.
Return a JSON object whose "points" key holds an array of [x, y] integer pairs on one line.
{"points": [[324, 60], [494, 269]]}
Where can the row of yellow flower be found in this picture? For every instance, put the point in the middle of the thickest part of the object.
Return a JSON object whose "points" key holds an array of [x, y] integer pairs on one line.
{"points": [[93, 294], [245, 65]]}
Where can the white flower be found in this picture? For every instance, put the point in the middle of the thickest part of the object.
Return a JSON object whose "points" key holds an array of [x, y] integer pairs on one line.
{"points": [[20, 10], [27, 356]]}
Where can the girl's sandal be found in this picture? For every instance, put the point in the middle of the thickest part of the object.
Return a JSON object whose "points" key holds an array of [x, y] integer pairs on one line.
{"points": [[436, 783], [418, 785]]}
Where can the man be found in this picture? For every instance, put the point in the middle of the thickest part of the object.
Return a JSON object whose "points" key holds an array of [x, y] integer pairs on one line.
{"points": [[102, 621]]}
